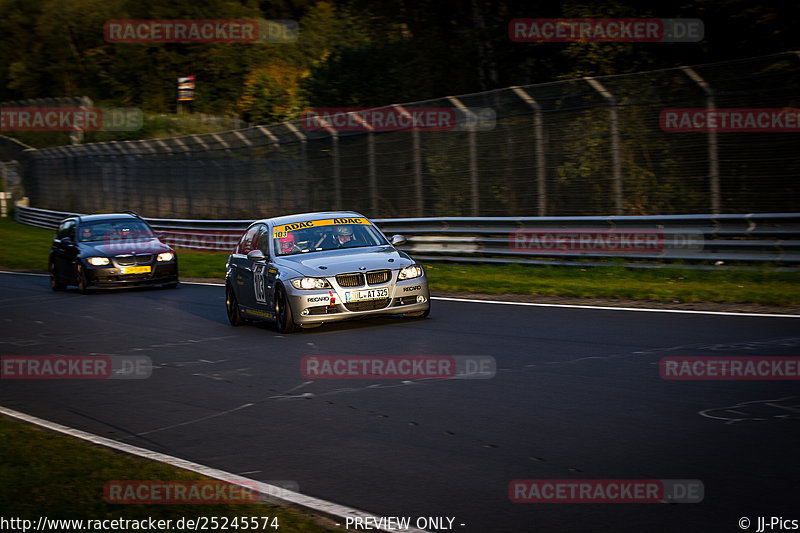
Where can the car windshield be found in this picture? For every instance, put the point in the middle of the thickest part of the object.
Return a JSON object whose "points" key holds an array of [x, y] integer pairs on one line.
{"points": [[114, 230], [327, 237]]}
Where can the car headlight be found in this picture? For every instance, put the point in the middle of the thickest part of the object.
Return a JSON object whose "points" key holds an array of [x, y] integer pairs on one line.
{"points": [[311, 283], [410, 272], [166, 256], [98, 261]]}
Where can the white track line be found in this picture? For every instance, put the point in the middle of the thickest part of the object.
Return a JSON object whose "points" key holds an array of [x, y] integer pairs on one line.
{"points": [[606, 308], [270, 492], [533, 304]]}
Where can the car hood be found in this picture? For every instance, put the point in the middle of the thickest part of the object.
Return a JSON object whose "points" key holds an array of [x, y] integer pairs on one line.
{"points": [[346, 260], [124, 247]]}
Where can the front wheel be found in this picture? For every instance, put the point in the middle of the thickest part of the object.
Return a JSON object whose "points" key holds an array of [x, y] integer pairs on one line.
{"points": [[232, 306], [283, 312], [83, 285], [54, 283]]}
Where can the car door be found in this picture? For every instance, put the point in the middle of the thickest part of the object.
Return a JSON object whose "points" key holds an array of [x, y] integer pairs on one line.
{"points": [[259, 268], [64, 250], [270, 271], [242, 269]]}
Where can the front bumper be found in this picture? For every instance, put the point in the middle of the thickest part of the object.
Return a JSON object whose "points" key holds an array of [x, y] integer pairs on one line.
{"points": [[315, 306], [112, 276]]}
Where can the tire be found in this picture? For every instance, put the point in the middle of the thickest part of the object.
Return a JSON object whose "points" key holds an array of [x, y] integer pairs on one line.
{"points": [[232, 307], [54, 283], [173, 285], [283, 312], [83, 285]]}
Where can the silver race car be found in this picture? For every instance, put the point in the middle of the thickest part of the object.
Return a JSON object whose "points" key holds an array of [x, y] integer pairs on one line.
{"points": [[305, 270]]}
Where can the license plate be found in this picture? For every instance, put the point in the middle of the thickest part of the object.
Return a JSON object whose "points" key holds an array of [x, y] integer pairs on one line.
{"points": [[135, 270], [369, 294]]}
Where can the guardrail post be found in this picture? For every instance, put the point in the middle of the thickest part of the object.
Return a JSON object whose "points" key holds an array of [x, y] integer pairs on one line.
{"points": [[473, 153], [713, 156], [615, 158], [539, 141]]}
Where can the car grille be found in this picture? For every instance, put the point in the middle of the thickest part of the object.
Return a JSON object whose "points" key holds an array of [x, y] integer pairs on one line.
{"points": [[350, 280], [377, 276], [128, 260], [367, 305]]}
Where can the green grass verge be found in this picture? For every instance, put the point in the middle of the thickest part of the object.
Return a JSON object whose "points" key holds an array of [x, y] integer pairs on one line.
{"points": [[25, 247], [665, 285], [43, 473]]}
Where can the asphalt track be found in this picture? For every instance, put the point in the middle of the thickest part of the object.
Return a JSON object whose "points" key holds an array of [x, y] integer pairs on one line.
{"points": [[577, 395]]}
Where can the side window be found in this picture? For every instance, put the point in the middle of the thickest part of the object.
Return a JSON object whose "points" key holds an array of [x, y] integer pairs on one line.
{"points": [[246, 242], [254, 244], [263, 239], [66, 229]]}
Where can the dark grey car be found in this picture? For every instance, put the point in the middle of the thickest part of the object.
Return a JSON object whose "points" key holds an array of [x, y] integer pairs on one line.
{"points": [[107, 251]]}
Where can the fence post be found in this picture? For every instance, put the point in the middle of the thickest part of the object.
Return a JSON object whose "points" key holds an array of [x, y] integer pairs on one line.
{"points": [[615, 158], [276, 148], [473, 152], [713, 156], [417, 155], [304, 157], [373, 178], [541, 176], [337, 178]]}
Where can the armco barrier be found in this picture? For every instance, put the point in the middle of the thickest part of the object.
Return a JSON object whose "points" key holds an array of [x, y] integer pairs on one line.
{"points": [[640, 240]]}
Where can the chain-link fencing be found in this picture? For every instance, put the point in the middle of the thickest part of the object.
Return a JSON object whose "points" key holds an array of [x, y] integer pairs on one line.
{"points": [[636, 144]]}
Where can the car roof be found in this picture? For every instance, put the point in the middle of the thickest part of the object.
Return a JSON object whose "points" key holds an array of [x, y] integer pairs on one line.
{"points": [[107, 216], [319, 215]]}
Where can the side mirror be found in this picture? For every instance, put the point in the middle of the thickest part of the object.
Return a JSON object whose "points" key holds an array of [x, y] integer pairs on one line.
{"points": [[398, 240], [256, 255]]}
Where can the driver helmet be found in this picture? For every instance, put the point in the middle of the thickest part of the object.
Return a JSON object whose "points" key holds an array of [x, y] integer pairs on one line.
{"points": [[344, 233], [286, 243]]}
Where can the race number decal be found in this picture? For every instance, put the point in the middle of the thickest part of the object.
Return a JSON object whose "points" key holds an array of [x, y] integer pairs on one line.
{"points": [[258, 282]]}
